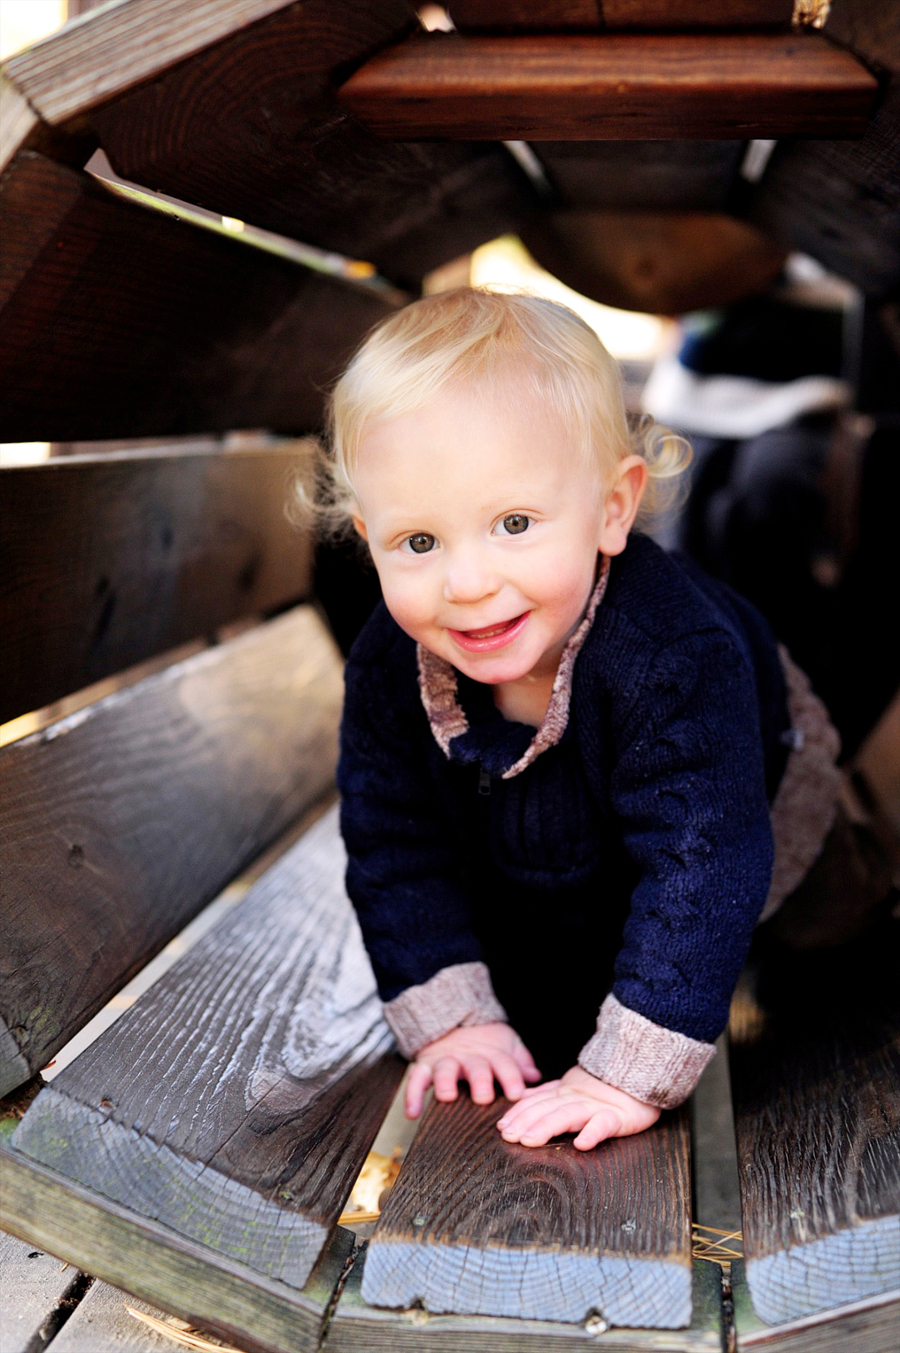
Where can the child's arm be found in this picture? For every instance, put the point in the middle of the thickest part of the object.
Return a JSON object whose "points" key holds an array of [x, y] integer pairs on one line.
{"points": [[580, 1103], [479, 1054]]}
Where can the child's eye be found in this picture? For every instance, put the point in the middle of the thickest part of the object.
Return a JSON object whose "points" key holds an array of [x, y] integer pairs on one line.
{"points": [[420, 543], [513, 525]]}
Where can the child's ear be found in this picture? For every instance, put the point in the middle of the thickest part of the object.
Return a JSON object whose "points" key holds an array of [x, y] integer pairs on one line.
{"points": [[622, 503], [359, 526]]}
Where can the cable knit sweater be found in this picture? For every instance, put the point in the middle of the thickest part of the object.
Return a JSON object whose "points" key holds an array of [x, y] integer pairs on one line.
{"points": [[503, 872]]}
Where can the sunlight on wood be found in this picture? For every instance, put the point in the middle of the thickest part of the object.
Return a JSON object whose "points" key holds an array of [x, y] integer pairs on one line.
{"points": [[374, 1183], [505, 262]]}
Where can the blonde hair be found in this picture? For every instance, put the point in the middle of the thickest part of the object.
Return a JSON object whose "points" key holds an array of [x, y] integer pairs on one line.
{"points": [[478, 337]]}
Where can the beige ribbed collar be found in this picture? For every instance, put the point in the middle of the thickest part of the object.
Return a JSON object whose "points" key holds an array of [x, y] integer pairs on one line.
{"points": [[438, 689]]}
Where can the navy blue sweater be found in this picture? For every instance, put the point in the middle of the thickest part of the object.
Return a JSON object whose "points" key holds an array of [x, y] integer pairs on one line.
{"points": [[636, 853]]}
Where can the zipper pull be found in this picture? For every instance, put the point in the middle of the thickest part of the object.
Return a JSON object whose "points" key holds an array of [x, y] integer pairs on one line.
{"points": [[484, 781]]}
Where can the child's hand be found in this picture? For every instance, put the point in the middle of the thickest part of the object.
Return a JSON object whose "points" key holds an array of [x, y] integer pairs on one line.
{"points": [[578, 1103], [478, 1054]]}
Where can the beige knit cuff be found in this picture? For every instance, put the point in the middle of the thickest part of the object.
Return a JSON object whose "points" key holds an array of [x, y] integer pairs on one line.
{"points": [[656, 1065], [456, 996]]}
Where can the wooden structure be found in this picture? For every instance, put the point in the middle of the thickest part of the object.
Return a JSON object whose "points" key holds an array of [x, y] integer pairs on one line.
{"points": [[199, 1154]]}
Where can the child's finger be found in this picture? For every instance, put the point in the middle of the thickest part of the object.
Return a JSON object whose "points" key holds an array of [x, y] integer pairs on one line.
{"points": [[525, 1062], [569, 1116], [601, 1125], [446, 1074], [417, 1082], [523, 1120], [479, 1073], [509, 1074]]}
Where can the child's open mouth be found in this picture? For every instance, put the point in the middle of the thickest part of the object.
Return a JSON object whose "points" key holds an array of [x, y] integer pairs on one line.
{"points": [[491, 636]]}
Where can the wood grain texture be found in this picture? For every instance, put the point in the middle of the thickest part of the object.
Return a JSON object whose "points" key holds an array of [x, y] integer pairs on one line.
{"points": [[816, 1081], [111, 559], [264, 1075], [152, 1262], [356, 1327], [868, 1326], [17, 120], [252, 128], [840, 200], [101, 1323], [612, 87], [99, 55], [545, 15], [120, 822], [476, 1226], [32, 1286], [119, 319]]}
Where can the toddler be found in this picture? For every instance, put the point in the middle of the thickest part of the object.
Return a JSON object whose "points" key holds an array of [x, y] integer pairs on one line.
{"points": [[564, 752]]}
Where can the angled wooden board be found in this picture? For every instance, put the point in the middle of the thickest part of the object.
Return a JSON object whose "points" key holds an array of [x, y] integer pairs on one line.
{"points": [[840, 200], [523, 16], [815, 1073], [35, 1289], [612, 87], [265, 1072], [186, 1279], [357, 1327], [111, 559], [247, 124], [642, 175], [476, 1226], [867, 1326], [121, 821], [117, 319]]}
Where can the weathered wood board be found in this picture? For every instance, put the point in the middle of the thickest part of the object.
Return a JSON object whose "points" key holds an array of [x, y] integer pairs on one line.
{"points": [[357, 1327], [477, 1226], [121, 821], [867, 1326], [815, 1071], [35, 1291], [241, 117], [113, 558], [186, 1279], [582, 15], [264, 1074], [642, 175], [612, 87], [118, 319]]}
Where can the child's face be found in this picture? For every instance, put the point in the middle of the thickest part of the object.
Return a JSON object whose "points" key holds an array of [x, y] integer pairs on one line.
{"points": [[484, 526]]}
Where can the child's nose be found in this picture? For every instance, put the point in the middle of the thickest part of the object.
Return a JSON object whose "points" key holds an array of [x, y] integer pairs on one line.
{"points": [[469, 578]]}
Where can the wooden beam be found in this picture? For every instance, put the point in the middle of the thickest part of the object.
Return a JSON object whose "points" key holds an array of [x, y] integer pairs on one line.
{"points": [[814, 1068], [122, 318], [111, 559], [475, 1226], [583, 15], [867, 1326], [642, 175], [265, 1072], [357, 1327], [120, 822], [612, 87], [155, 1264], [240, 116]]}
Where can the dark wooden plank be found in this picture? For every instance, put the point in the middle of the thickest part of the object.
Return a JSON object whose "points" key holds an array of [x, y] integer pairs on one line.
{"points": [[477, 1226], [642, 175], [121, 821], [840, 200], [612, 87], [583, 15], [185, 1278], [815, 1073], [252, 128], [868, 1326], [357, 1327], [117, 318], [265, 1072], [111, 559], [36, 1290]]}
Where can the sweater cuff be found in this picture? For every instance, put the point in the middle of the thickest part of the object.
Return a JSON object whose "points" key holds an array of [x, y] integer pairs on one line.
{"points": [[654, 1064], [459, 995]]}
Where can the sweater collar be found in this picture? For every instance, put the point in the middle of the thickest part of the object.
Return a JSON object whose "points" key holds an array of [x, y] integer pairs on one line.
{"points": [[439, 689]]}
